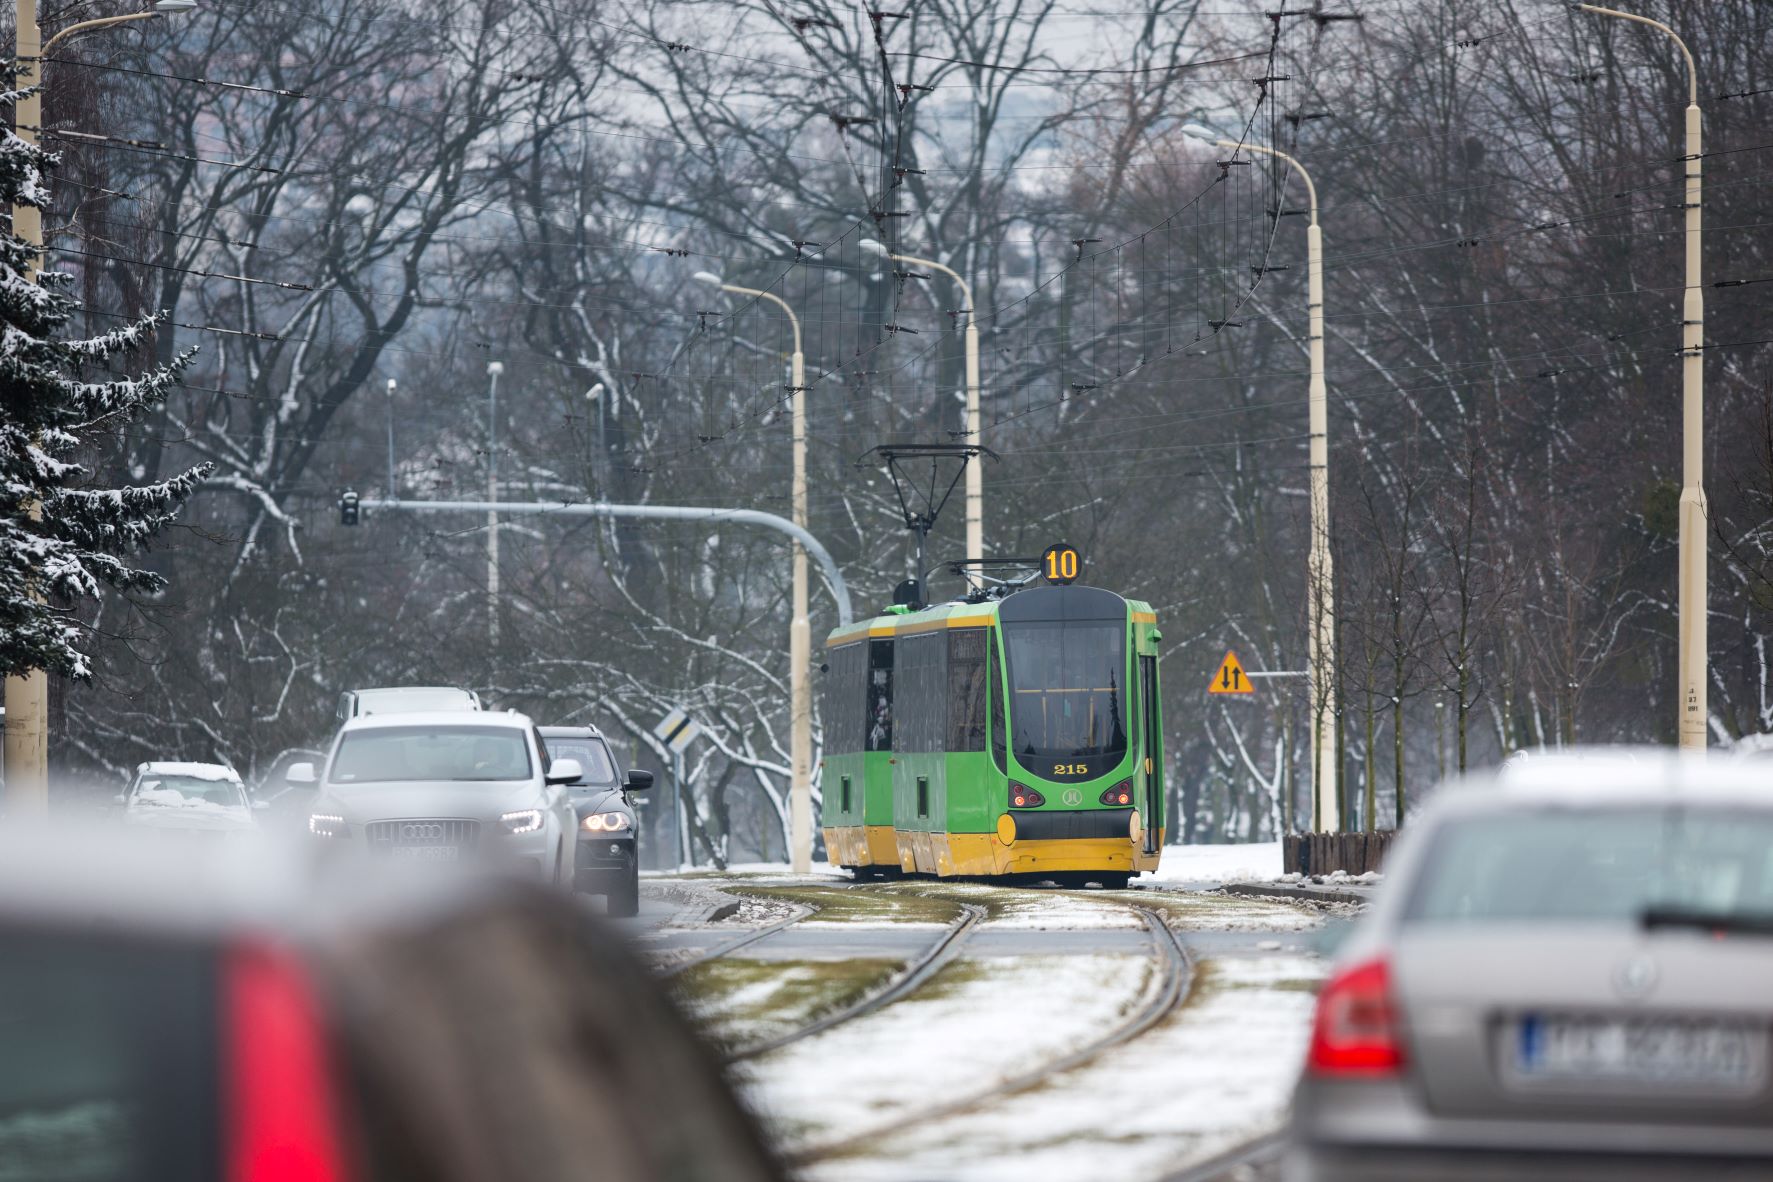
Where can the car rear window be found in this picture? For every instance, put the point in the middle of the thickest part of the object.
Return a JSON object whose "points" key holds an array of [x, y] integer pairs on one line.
{"points": [[397, 753], [107, 1060], [1596, 865]]}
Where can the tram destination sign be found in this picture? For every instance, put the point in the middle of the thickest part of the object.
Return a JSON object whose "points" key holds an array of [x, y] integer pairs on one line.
{"points": [[1061, 563]]}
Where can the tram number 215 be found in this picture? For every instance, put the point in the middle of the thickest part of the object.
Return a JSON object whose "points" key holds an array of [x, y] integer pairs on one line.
{"points": [[1071, 769], [1061, 563]]}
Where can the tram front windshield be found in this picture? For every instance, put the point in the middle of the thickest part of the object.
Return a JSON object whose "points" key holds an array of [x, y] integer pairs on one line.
{"points": [[1067, 689]]}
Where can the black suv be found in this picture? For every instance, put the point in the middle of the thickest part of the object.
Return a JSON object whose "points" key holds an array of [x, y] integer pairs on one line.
{"points": [[606, 862]]}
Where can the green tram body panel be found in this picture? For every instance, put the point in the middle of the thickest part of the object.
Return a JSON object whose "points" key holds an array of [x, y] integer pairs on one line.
{"points": [[921, 717]]}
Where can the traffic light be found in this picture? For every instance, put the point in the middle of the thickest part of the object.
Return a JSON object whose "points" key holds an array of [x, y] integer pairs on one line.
{"points": [[348, 508]]}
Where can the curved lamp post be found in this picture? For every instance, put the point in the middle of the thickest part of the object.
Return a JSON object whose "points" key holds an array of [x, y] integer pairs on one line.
{"points": [[800, 634], [975, 473], [1691, 711], [1320, 592]]}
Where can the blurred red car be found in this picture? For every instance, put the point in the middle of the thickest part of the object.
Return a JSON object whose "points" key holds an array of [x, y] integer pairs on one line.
{"points": [[227, 1017]]}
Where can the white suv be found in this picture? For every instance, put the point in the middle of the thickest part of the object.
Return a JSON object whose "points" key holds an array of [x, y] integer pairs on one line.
{"points": [[446, 786]]}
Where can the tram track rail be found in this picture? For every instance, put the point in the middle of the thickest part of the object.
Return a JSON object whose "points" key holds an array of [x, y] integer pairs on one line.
{"points": [[1176, 974], [748, 937], [910, 978]]}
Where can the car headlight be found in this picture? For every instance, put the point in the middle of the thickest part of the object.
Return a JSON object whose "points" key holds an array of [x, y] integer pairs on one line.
{"points": [[521, 821], [606, 823], [327, 825]]}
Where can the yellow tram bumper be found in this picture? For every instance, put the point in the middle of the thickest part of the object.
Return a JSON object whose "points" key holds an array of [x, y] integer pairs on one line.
{"points": [[984, 854]]}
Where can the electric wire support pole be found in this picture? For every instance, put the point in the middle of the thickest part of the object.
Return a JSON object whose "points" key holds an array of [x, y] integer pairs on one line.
{"points": [[1692, 710], [1320, 573]]}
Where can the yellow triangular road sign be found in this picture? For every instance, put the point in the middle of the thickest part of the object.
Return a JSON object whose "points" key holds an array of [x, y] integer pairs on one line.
{"points": [[1231, 678]]}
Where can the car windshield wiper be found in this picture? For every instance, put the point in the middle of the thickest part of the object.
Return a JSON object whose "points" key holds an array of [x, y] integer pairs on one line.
{"points": [[1661, 915]]}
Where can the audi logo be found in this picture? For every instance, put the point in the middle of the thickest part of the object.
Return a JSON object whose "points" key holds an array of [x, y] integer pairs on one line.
{"points": [[421, 831]]}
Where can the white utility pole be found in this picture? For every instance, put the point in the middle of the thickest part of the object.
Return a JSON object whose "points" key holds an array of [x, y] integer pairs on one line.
{"points": [[975, 472], [1320, 575], [393, 493], [493, 370], [1691, 710], [800, 628]]}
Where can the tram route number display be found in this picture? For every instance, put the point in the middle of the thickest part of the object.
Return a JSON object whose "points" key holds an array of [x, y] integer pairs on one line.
{"points": [[1061, 563]]}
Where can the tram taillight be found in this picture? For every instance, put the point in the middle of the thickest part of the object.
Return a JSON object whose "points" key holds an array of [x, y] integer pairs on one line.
{"points": [[1024, 797], [1121, 793]]}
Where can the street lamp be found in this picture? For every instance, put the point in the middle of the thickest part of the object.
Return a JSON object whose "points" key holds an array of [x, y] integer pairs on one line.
{"points": [[1691, 711], [800, 634], [493, 370], [975, 474], [25, 747], [1320, 579]]}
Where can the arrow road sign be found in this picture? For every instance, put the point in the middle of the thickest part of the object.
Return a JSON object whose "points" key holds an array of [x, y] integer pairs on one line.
{"points": [[678, 730], [1230, 678]]}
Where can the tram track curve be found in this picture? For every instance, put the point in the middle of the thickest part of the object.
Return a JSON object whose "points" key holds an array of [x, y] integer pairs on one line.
{"points": [[911, 977], [1176, 975], [1234, 1163], [750, 936]]}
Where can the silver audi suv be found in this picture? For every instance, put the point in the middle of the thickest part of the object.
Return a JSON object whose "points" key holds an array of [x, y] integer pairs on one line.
{"points": [[445, 787]]}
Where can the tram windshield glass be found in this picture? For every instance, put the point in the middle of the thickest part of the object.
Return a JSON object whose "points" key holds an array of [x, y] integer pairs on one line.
{"points": [[1067, 688]]}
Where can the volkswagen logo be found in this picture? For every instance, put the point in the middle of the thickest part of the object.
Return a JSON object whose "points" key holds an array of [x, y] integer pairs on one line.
{"points": [[421, 831], [1072, 797], [1634, 978]]}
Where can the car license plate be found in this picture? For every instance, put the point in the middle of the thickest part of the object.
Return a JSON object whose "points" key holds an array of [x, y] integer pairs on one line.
{"points": [[1696, 1052], [425, 853]]}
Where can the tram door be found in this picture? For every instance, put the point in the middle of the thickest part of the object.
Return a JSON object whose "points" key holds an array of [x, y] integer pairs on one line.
{"points": [[1154, 752]]}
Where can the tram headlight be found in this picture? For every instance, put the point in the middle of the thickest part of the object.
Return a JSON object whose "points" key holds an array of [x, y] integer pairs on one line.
{"points": [[1024, 797], [1120, 794]]}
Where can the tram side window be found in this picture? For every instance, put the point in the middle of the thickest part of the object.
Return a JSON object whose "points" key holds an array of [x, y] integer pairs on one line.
{"points": [[845, 700], [999, 719], [921, 674], [966, 689], [879, 722]]}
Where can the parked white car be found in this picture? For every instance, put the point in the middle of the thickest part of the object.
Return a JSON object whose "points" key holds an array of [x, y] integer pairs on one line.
{"points": [[196, 797], [442, 787]]}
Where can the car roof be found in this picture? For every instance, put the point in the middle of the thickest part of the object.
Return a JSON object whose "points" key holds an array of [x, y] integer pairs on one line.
{"points": [[445, 718], [570, 732], [1606, 777], [196, 771]]}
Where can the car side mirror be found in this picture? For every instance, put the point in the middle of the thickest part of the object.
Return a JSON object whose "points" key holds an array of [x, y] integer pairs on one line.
{"points": [[301, 775], [121, 798], [564, 771], [639, 780]]}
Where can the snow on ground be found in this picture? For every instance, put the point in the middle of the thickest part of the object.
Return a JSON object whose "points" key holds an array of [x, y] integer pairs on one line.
{"points": [[976, 1022], [1217, 1072], [1249, 862], [1037, 909]]}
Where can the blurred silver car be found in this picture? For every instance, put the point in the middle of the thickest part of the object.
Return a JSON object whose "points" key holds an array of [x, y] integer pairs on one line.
{"points": [[445, 787], [1567, 974]]}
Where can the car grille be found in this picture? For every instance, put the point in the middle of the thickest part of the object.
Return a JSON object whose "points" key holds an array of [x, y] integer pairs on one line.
{"points": [[421, 831]]}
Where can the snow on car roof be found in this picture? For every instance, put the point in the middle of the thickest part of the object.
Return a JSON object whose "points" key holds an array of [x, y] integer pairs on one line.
{"points": [[196, 771], [1603, 776], [447, 718]]}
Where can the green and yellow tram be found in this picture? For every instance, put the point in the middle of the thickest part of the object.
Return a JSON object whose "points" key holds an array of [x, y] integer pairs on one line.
{"points": [[997, 736]]}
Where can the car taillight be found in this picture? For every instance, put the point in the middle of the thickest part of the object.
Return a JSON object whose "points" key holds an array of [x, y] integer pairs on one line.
{"points": [[1121, 793], [280, 1120], [1355, 1030], [1024, 797]]}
